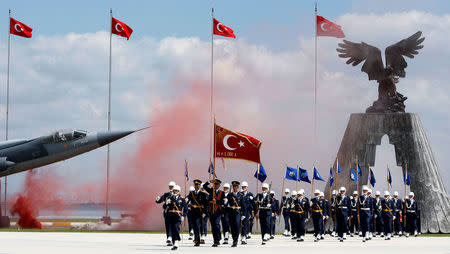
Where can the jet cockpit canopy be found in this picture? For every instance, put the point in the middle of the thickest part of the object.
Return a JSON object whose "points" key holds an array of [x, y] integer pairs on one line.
{"points": [[64, 136]]}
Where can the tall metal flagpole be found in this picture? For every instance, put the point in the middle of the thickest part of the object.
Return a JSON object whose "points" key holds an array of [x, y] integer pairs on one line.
{"points": [[315, 74], [7, 106], [211, 131], [109, 114], [387, 177]]}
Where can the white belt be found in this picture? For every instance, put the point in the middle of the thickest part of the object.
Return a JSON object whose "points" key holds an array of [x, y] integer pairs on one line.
{"points": [[365, 209]]}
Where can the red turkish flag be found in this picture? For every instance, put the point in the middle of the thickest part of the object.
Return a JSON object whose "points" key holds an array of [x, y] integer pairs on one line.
{"points": [[120, 28], [233, 145], [328, 28], [222, 30], [19, 28]]}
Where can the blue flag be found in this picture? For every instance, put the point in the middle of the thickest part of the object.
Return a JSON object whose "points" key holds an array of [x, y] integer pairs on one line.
{"points": [[338, 167], [186, 170], [353, 175], [389, 177], [316, 175], [372, 178], [211, 169], [303, 175], [331, 177], [359, 170], [407, 179], [291, 174], [262, 174]]}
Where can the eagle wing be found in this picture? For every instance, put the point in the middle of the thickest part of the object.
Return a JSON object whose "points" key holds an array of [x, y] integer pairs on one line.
{"points": [[407, 47], [359, 52]]}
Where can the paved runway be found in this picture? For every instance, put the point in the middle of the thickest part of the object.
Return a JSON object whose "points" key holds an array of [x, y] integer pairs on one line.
{"points": [[64, 243]]}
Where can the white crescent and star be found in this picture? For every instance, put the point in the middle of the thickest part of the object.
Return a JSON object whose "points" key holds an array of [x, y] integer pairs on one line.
{"points": [[18, 28], [119, 28], [322, 26], [218, 27], [227, 146]]}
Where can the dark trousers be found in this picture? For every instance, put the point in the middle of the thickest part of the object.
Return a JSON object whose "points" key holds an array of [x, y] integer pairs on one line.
{"points": [[318, 223], [293, 218], [387, 221], [300, 224], [273, 223], [333, 218], [286, 221], [225, 223], [215, 227], [411, 222], [365, 221], [235, 225], [324, 226], [167, 225], [250, 224], [204, 229], [174, 224], [342, 223], [379, 226], [245, 225], [196, 226], [190, 224], [264, 220], [397, 224], [354, 225]]}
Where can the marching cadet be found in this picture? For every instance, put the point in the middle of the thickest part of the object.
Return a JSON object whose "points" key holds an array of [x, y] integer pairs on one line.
{"points": [[377, 214], [225, 219], [317, 214], [189, 215], [371, 227], [263, 204], [300, 209], [162, 199], [215, 209], [333, 211], [388, 214], [412, 214], [176, 212], [198, 203], [234, 202], [248, 205], [354, 216], [285, 210], [275, 207], [326, 213], [343, 208], [204, 227], [365, 211], [398, 204], [293, 215]]}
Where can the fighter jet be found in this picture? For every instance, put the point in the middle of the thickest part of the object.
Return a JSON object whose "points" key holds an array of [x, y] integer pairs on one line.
{"points": [[24, 154]]}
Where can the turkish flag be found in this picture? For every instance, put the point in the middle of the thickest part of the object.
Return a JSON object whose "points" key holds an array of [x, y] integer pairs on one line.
{"points": [[120, 28], [19, 28], [328, 28], [233, 145], [222, 30]]}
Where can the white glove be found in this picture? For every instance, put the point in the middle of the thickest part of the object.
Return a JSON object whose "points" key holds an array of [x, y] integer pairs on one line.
{"points": [[167, 201], [203, 215], [324, 217], [307, 219], [225, 201], [182, 219], [327, 217], [376, 216], [242, 217], [269, 205], [251, 197], [273, 215], [158, 198], [393, 218]]}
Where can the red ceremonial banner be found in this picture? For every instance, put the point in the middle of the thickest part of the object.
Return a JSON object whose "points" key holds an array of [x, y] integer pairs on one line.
{"points": [[19, 28], [222, 30], [120, 28], [233, 145], [328, 28]]}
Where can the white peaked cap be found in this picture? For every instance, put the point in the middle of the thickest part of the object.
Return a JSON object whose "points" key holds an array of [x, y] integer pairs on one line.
{"points": [[395, 193], [321, 194], [191, 188], [226, 185], [377, 193], [386, 193], [286, 190], [317, 191], [355, 193], [171, 183], [411, 193], [177, 187], [342, 189], [301, 192], [244, 184], [365, 188], [272, 192], [265, 185], [370, 190], [294, 193], [333, 192]]}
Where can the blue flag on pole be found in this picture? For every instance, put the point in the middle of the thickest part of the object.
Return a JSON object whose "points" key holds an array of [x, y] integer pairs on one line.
{"points": [[291, 173], [353, 175], [316, 175], [372, 178], [331, 177], [211, 169], [338, 167], [186, 170], [262, 174], [303, 175], [407, 179], [359, 170], [389, 177]]}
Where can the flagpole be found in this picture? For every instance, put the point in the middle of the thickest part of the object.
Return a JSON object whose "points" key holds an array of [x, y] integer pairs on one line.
{"points": [[296, 182], [337, 173], [387, 177], [357, 175], [185, 177], [315, 74], [282, 191], [109, 114], [214, 161], [7, 107], [212, 87]]}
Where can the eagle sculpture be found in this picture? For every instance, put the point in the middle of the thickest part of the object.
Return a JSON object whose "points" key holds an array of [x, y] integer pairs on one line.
{"points": [[389, 100]]}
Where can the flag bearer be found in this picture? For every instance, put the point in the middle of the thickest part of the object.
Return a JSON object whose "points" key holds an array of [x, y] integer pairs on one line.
{"points": [[343, 208], [365, 212], [388, 214], [317, 214], [285, 210], [275, 207], [378, 209], [234, 203], [248, 204], [176, 212], [354, 225], [263, 204], [293, 215], [398, 204], [225, 219], [198, 203], [215, 209], [412, 214], [333, 211], [162, 199]]}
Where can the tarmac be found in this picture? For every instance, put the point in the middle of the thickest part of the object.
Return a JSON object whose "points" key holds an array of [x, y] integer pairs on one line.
{"points": [[65, 243]]}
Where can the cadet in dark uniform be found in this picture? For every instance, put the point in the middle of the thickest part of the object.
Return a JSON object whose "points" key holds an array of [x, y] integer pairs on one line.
{"points": [[333, 212], [225, 219], [285, 211], [388, 214], [354, 219], [215, 209], [373, 209], [398, 205], [292, 214], [234, 202], [263, 204], [162, 199], [198, 203], [189, 216], [317, 214], [343, 208], [248, 205], [176, 212], [365, 211], [377, 213], [412, 214], [326, 213], [301, 211], [204, 227], [275, 207]]}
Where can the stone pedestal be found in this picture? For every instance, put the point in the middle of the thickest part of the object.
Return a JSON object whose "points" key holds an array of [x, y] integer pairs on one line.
{"points": [[406, 133]]}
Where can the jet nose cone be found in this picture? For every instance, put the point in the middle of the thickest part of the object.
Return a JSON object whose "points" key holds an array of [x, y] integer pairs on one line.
{"points": [[107, 137]]}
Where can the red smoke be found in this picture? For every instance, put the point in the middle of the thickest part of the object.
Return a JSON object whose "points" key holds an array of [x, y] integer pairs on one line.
{"points": [[40, 190]]}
